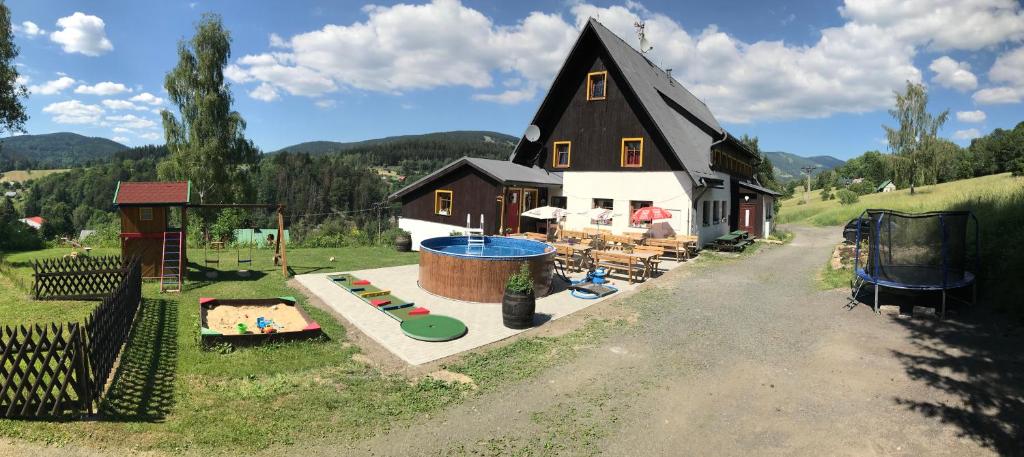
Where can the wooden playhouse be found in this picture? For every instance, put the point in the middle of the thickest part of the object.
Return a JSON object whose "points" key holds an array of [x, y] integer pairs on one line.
{"points": [[149, 212]]}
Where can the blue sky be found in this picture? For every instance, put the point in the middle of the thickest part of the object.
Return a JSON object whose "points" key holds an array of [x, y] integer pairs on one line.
{"points": [[810, 77]]}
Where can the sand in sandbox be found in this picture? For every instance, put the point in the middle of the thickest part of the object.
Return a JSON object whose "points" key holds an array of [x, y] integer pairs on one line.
{"points": [[224, 319]]}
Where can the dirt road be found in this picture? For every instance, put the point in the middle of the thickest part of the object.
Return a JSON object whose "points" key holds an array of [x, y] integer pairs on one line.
{"points": [[750, 358]]}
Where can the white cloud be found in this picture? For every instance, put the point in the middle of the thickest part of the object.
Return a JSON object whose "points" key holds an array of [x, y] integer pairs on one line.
{"points": [[151, 136], [148, 99], [510, 96], [52, 87], [264, 92], [131, 121], [21, 80], [967, 134], [971, 116], [852, 68], [82, 33], [74, 112], [1008, 70], [997, 95], [122, 105], [942, 24], [29, 29], [103, 88], [953, 75], [121, 139], [123, 130], [325, 103]]}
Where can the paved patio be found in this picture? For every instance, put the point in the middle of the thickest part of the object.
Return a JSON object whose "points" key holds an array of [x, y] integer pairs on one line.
{"points": [[482, 319]]}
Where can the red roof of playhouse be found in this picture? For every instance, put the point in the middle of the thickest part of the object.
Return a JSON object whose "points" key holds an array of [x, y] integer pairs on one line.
{"points": [[152, 193], [35, 221]]}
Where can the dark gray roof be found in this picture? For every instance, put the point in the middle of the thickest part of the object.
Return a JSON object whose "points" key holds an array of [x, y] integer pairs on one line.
{"points": [[500, 170], [758, 188], [681, 118]]}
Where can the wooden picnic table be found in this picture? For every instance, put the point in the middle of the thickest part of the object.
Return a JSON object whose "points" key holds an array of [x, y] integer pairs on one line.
{"points": [[569, 251], [678, 248], [643, 257]]}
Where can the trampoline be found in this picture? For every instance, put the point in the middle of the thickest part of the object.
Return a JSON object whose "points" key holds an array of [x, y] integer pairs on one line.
{"points": [[936, 251]]}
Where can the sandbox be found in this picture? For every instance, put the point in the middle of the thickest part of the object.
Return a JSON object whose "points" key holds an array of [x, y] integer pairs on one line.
{"points": [[253, 321]]}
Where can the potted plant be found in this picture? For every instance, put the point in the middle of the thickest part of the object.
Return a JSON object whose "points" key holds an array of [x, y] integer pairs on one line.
{"points": [[519, 302], [403, 241]]}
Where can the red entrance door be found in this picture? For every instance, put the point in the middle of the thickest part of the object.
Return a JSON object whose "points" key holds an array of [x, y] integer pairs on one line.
{"points": [[513, 200], [748, 218]]}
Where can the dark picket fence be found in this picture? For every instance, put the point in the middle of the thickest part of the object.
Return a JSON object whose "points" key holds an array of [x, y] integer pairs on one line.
{"points": [[62, 369], [77, 278]]}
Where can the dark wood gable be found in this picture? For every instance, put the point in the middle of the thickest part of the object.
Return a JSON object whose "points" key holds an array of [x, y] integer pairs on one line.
{"points": [[473, 193], [595, 128]]}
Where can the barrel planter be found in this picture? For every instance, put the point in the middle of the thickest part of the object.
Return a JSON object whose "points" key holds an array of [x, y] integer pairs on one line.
{"points": [[403, 242], [517, 309]]}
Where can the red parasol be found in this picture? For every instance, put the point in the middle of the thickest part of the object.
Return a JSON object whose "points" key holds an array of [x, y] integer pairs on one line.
{"points": [[650, 213]]}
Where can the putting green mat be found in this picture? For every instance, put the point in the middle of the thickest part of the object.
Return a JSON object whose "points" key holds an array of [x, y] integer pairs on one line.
{"points": [[433, 327]]}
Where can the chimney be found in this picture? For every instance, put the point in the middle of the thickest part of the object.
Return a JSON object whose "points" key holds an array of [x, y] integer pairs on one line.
{"points": [[668, 71]]}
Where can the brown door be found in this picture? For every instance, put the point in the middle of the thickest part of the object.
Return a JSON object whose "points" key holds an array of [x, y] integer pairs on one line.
{"points": [[513, 200], [748, 217]]}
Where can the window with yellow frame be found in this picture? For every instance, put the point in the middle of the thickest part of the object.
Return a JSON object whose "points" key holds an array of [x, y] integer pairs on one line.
{"points": [[632, 155], [443, 202], [561, 154], [597, 85]]}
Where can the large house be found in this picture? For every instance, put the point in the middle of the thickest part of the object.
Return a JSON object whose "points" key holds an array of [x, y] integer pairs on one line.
{"points": [[616, 132]]}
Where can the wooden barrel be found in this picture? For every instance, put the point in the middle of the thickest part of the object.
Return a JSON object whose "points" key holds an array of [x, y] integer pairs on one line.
{"points": [[517, 310], [403, 242]]}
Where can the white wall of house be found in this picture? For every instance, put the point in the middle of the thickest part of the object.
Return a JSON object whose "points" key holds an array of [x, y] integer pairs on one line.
{"points": [[421, 230], [713, 229], [668, 190]]}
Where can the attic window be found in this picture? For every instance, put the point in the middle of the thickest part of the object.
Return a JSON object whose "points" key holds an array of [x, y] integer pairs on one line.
{"points": [[597, 85], [632, 154], [561, 154], [443, 202]]}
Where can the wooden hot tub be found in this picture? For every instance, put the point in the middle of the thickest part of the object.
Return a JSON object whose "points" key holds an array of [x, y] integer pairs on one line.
{"points": [[449, 267]]}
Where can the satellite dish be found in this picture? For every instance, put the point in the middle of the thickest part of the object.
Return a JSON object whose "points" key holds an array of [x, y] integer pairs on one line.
{"points": [[645, 45], [532, 133]]}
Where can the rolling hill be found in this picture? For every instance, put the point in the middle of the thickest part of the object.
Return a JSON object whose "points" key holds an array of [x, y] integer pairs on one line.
{"points": [[459, 137], [787, 165], [54, 150]]}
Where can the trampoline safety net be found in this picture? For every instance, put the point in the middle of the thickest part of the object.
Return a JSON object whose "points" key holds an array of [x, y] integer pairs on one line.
{"points": [[918, 251]]}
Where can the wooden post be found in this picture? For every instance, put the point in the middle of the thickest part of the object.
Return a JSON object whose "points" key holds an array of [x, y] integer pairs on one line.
{"points": [[280, 241]]}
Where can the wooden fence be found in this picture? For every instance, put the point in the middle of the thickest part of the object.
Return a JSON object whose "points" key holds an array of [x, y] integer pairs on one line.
{"points": [[77, 278], [61, 370]]}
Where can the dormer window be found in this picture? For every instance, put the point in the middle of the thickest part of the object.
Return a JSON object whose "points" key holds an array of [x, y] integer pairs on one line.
{"points": [[597, 85]]}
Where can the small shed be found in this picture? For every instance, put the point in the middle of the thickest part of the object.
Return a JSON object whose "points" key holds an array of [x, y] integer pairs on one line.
{"points": [[153, 215], [886, 186]]}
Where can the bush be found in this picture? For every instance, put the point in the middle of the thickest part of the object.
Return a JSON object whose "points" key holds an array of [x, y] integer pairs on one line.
{"points": [[521, 282], [826, 193], [847, 197], [864, 187]]}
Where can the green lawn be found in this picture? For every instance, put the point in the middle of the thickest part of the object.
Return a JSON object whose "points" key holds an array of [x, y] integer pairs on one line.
{"points": [[171, 396], [16, 304], [996, 200]]}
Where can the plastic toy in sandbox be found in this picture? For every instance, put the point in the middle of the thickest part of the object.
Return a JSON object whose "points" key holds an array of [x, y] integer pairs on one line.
{"points": [[250, 322], [416, 322]]}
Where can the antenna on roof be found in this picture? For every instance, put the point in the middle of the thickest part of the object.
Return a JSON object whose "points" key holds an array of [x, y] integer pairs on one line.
{"points": [[645, 45]]}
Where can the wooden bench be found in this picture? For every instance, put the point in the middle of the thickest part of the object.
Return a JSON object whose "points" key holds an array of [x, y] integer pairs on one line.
{"points": [[655, 260], [622, 262]]}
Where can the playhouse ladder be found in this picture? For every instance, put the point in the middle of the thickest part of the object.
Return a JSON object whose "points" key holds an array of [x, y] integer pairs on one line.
{"points": [[171, 263]]}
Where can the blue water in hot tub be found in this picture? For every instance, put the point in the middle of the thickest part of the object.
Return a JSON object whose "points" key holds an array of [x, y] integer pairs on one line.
{"points": [[494, 247]]}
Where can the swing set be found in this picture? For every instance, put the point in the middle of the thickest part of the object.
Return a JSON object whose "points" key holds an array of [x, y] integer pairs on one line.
{"points": [[213, 249]]}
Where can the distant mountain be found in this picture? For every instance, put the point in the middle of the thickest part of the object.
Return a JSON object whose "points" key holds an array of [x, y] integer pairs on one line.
{"points": [[787, 165], [461, 137], [55, 150]]}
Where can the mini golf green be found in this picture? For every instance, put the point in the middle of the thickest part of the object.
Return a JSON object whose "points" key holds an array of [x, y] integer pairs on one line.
{"points": [[433, 327]]}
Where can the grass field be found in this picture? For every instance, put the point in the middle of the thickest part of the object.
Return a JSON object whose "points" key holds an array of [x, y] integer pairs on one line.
{"points": [[996, 200], [26, 175], [172, 396]]}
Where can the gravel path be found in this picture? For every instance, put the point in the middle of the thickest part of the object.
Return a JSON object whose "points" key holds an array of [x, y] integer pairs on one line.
{"points": [[749, 358]]}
